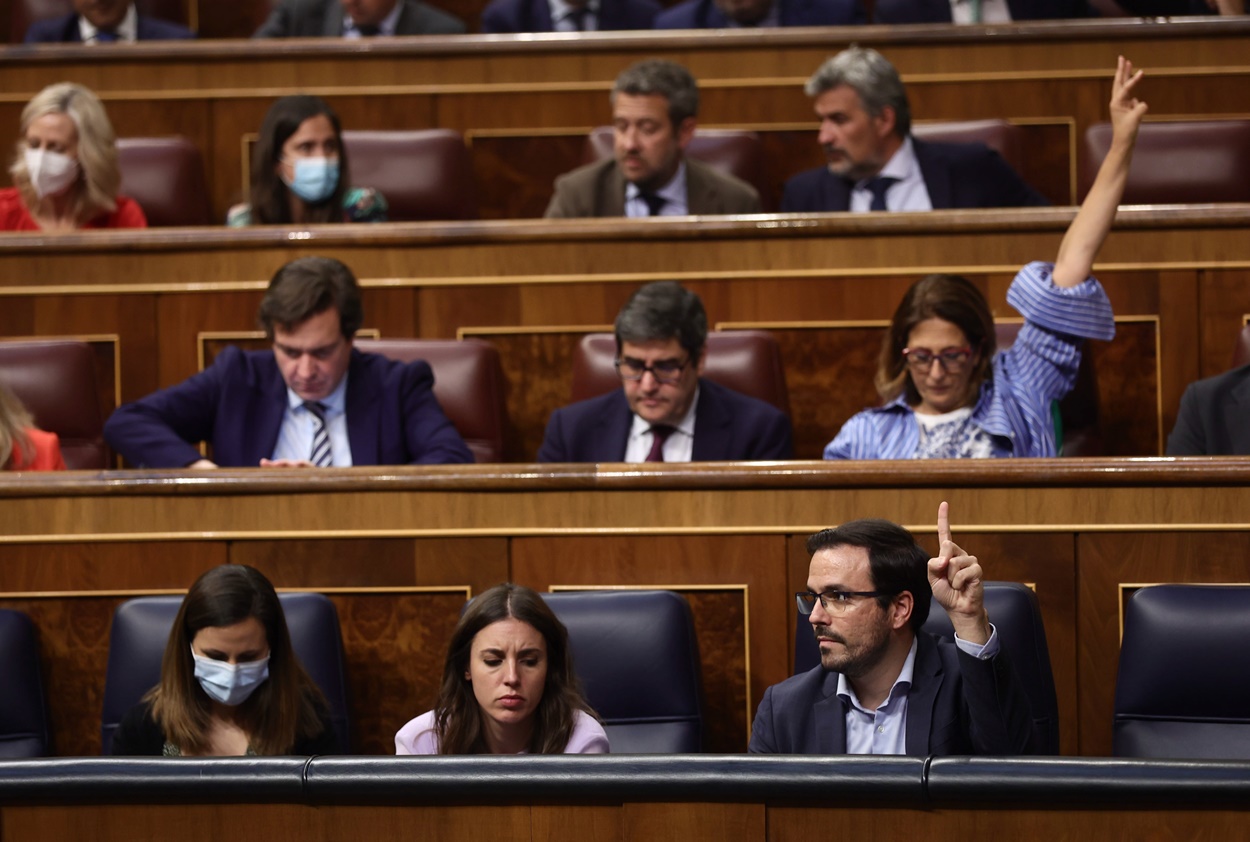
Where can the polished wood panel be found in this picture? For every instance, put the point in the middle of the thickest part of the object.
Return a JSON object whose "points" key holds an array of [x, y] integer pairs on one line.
{"points": [[1075, 529]]}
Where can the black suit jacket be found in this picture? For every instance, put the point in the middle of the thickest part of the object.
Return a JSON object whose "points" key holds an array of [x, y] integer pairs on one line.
{"points": [[1214, 419], [957, 175], [958, 704], [598, 189], [703, 14], [504, 16], [728, 426], [939, 11], [64, 30], [317, 18]]}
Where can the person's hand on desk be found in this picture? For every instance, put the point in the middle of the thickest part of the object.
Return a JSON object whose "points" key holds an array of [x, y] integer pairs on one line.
{"points": [[286, 463], [202, 464]]}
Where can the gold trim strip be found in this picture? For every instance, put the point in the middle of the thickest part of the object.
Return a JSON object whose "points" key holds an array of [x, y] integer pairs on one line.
{"points": [[616, 531]]}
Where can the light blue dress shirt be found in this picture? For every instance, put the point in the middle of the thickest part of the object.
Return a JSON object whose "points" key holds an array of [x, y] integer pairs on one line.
{"points": [[295, 436], [674, 194]]}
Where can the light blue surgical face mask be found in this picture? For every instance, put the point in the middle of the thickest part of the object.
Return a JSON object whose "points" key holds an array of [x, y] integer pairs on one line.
{"points": [[315, 178], [230, 684]]}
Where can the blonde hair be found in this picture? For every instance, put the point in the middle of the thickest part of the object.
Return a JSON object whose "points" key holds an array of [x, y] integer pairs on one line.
{"points": [[14, 421], [96, 191]]}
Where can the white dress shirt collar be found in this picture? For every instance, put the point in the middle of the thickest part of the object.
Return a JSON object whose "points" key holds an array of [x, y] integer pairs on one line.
{"points": [[908, 193], [674, 193], [127, 30]]}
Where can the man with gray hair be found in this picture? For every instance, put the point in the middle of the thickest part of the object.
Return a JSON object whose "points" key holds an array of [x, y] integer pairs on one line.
{"points": [[654, 108], [664, 411], [874, 163]]}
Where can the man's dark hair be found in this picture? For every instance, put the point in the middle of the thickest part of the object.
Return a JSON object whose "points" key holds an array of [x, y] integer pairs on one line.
{"points": [[310, 285], [895, 561], [661, 311], [665, 78]]}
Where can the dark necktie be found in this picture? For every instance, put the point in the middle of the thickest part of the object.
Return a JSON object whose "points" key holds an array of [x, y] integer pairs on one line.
{"points": [[320, 454], [654, 202], [659, 435], [877, 187], [577, 17], [106, 36], [368, 30]]}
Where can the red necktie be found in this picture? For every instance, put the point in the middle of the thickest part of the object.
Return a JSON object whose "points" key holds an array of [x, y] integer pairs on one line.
{"points": [[659, 435]]}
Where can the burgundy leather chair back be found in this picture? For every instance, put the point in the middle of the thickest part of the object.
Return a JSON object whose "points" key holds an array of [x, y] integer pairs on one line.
{"points": [[1186, 162], [747, 361], [468, 382], [733, 151], [1241, 353], [165, 175], [999, 135], [423, 174], [23, 12], [1078, 412], [56, 381]]}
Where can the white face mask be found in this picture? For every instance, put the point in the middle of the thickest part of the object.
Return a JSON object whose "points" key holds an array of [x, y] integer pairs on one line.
{"points": [[50, 172], [230, 684]]}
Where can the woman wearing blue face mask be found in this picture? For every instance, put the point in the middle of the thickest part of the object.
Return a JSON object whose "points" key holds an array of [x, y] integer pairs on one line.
{"points": [[230, 681], [299, 171]]}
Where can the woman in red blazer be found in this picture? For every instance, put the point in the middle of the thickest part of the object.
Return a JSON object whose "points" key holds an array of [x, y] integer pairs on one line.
{"points": [[23, 447]]}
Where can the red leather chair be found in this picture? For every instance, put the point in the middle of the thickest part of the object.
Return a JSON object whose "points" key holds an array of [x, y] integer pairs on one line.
{"points": [[1185, 162], [23, 12], [999, 135], [423, 174], [56, 381], [733, 151], [165, 175], [747, 361], [1080, 433], [468, 382]]}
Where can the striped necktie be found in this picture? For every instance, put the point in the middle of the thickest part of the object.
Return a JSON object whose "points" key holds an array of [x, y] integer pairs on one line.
{"points": [[320, 455]]}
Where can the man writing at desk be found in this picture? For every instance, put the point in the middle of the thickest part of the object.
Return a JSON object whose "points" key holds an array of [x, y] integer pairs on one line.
{"points": [[884, 686], [312, 401]]}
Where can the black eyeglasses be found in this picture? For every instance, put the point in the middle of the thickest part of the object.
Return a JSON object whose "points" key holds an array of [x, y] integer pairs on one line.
{"points": [[952, 360], [664, 371], [832, 601]]}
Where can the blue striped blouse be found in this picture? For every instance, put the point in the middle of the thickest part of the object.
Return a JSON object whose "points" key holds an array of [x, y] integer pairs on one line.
{"points": [[1014, 402]]}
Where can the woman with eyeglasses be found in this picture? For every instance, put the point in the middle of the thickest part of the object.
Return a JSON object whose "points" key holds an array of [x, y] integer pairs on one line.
{"points": [[299, 171], [508, 685], [231, 683], [947, 391]]}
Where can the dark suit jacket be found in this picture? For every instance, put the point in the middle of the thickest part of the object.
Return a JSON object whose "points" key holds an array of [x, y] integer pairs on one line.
{"points": [[238, 402], [598, 189], [1214, 419], [503, 16], [957, 175], [315, 18], [958, 704], [939, 11], [728, 426], [703, 14], [64, 30]]}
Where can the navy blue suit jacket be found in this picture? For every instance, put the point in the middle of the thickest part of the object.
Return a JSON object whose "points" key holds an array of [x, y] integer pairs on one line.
{"points": [[957, 175], [703, 14], [64, 30], [1212, 420], [939, 11], [503, 16], [958, 704], [728, 427], [237, 405]]}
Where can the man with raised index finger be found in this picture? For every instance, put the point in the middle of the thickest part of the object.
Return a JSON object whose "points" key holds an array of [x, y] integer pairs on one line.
{"points": [[884, 686]]}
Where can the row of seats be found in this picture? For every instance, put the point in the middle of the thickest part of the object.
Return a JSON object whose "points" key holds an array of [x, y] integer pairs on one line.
{"points": [[635, 651], [428, 174], [56, 381], [1179, 693]]}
